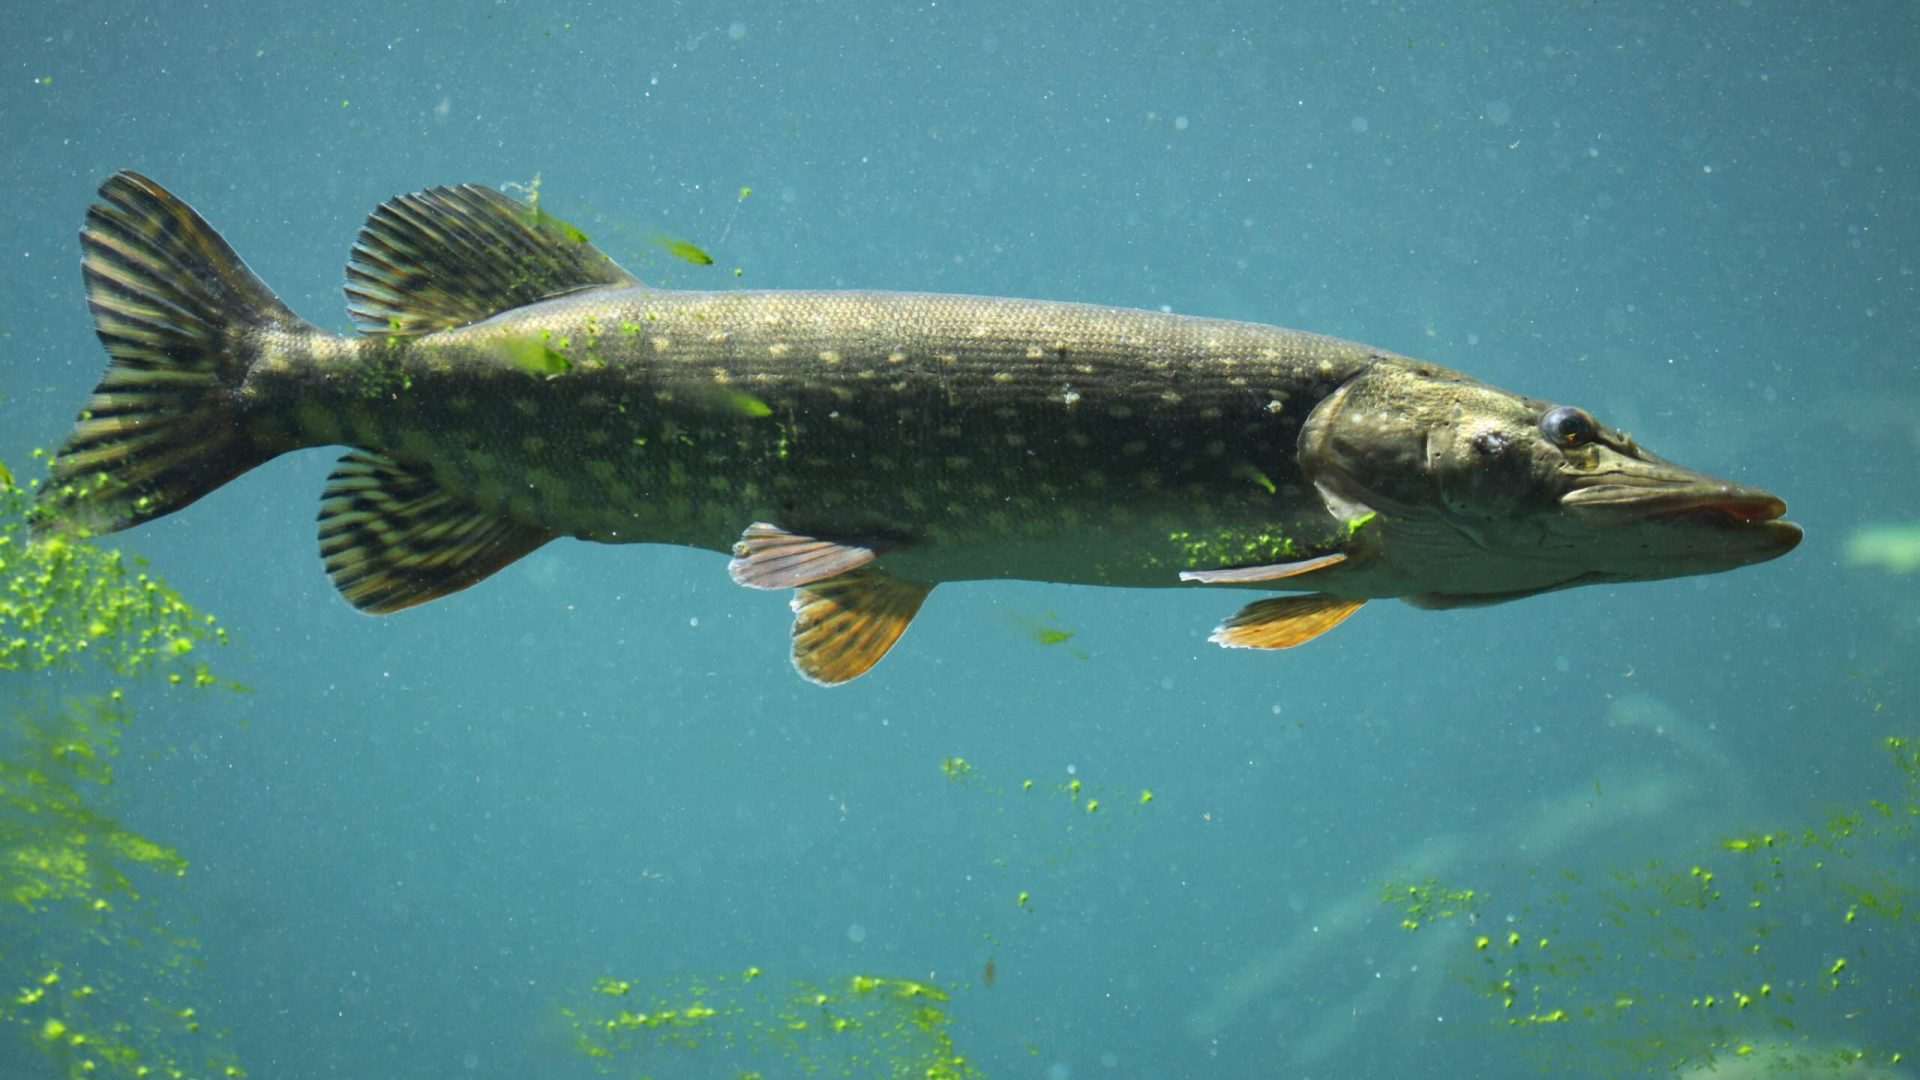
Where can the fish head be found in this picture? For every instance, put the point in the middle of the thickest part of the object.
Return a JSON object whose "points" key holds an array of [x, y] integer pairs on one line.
{"points": [[1481, 495]]}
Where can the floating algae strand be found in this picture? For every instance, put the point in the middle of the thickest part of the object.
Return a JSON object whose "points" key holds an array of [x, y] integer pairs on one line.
{"points": [[99, 987], [1745, 961], [758, 1025]]}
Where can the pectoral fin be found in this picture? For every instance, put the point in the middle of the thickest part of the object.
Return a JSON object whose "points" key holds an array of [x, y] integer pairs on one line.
{"points": [[1283, 621], [391, 537], [1243, 574], [843, 626], [769, 557]]}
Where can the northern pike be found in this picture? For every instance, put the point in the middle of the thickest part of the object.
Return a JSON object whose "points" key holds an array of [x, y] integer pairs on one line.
{"points": [[511, 384]]}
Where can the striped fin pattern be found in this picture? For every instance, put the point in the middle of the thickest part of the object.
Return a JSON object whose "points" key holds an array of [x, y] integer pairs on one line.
{"points": [[769, 557], [1282, 622], [177, 311], [450, 256], [392, 538], [845, 625]]}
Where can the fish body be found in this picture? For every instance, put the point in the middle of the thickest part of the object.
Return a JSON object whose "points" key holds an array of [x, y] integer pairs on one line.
{"points": [[971, 437], [513, 385]]}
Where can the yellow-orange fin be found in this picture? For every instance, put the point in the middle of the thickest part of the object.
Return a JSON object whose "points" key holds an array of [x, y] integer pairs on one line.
{"points": [[769, 557], [391, 537], [1244, 574], [1283, 621], [844, 625]]}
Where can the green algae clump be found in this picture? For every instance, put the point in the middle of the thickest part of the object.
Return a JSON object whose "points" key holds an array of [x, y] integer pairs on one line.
{"points": [[66, 605], [1789, 934], [857, 1027], [96, 979]]}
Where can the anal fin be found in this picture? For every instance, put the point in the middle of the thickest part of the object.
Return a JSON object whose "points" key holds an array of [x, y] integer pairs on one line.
{"points": [[1282, 622], [392, 538], [769, 557], [844, 625]]}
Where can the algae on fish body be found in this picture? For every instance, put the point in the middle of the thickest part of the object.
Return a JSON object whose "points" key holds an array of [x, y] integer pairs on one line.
{"points": [[94, 980]]}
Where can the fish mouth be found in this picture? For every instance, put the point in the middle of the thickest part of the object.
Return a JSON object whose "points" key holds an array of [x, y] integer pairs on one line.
{"points": [[1754, 517]]}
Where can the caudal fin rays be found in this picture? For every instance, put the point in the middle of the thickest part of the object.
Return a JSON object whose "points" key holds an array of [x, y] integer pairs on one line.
{"points": [[180, 316]]}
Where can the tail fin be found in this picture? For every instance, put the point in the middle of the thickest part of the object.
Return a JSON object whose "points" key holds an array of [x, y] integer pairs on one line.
{"points": [[181, 317]]}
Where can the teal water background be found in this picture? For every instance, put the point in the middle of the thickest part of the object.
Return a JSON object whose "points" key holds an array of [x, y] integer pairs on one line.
{"points": [[423, 836]]}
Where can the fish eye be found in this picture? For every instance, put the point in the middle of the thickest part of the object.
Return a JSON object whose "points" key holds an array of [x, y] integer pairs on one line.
{"points": [[1567, 426]]}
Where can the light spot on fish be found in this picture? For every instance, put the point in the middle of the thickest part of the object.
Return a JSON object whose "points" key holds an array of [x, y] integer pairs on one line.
{"points": [[947, 358], [896, 357], [779, 350], [829, 357], [1276, 406], [661, 344], [1035, 352], [1069, 396], [719, 337], [1003, 377], [1170, 397], [721, 376]]}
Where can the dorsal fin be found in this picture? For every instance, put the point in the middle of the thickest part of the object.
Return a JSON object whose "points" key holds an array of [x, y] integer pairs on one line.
{"points": [[392, 538], [449, 256]]}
